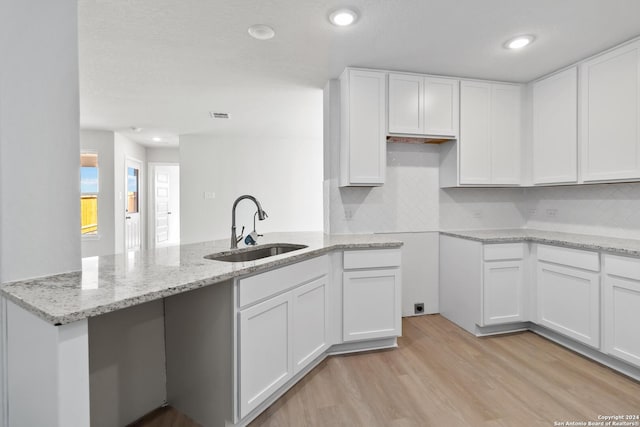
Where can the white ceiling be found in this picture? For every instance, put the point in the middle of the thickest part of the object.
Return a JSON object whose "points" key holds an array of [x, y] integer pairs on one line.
{"points": [[162, 65]]}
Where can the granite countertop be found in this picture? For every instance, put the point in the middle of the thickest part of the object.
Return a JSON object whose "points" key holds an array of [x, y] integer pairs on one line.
{"points": [[114, 282], [615, 245]]}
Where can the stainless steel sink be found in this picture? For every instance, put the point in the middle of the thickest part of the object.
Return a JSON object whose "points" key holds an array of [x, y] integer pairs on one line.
{"points": [[255, 252]]}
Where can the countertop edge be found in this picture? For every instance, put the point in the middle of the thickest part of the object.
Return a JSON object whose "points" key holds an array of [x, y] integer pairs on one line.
{"points": [[59, 320], [537, 239]]}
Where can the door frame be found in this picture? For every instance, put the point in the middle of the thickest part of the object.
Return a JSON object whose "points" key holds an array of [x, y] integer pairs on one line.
{"points": [[141, 202], [151, 211]]}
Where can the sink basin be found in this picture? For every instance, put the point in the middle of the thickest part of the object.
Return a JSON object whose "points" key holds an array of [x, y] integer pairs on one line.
{"points": [[255, 252]]}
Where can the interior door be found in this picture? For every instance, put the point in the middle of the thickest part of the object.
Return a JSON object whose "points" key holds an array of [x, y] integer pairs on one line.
{"points": [[132, 205], [166, 201]]}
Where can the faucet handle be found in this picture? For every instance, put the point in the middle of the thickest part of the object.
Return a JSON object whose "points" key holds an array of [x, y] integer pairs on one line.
{"points": [[238, 239]]}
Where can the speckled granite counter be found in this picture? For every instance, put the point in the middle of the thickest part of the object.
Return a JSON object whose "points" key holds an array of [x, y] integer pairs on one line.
{"points": [[629, 247], [110, 283]]}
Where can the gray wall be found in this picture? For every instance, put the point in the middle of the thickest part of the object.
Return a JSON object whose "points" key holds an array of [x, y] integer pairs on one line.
{"points": [[39, 143]]}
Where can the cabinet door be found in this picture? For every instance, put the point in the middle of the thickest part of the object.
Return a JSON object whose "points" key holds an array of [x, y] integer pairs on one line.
{"points": [[310, 316], [505, 134], [441, 106], [371, 304], [569, 302], [363, 157], [621, 318], [475, 135], [265, 350], [503, 292], [555, 127], [610, 103], [406, 104]]}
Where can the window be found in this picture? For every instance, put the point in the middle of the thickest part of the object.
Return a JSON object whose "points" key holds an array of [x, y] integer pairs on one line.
{"points": [[89, 187], [132, 190]]}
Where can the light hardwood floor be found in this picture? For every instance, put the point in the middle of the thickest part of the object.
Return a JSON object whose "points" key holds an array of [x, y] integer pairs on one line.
{"points": [[442, 376]]}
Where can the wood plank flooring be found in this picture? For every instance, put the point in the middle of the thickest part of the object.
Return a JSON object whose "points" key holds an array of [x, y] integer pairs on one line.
{"points": [[442, 376]]}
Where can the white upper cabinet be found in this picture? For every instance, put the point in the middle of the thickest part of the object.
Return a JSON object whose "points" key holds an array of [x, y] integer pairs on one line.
{"points": [[420, 105], [555, 126], [406, 104], [505, 134], [610, 115], [475, 133], [441, 107], [490, 134], [363, 151]]}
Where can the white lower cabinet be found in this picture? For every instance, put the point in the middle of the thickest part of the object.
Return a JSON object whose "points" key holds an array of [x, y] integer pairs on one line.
{"points": [[568, 293], [503, 296], [310, 317], [265, 350], [371, 301], [371, 304], [621, 308]]}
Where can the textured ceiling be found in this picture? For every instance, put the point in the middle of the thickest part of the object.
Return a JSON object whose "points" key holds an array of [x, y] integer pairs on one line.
{"points": [[162, 65]]}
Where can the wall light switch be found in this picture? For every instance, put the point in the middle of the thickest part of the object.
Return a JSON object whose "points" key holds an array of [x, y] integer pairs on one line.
{"points": [[208, 195]]}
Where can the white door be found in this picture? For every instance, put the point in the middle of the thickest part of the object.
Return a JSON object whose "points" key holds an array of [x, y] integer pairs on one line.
{"points": [[610, 103], [569, 302], [475, 133], [505, 134], [503, 299], [621, 318], [555, 128], [265, 350], [371, 304], [441, 106], [406, 104], [133, 204], [166, 205], [310, 317]]}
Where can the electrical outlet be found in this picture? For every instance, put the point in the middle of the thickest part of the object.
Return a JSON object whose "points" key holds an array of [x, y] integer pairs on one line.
{"points": [[552, 212], [208, 195], [348, 214], [533, 212], [418, 308], [477, 214]]}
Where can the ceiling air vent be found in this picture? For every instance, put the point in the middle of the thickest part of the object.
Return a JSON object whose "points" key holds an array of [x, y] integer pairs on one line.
{"points": [[218, 115]]}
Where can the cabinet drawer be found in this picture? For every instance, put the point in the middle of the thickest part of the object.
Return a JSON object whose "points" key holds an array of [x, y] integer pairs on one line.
{"points": [[586, 260], [622, 266], [372, 258], [503, 251], [255, 288]]}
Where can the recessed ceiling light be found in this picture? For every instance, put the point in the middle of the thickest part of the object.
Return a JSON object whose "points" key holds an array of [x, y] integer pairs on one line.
{"points": [[519, 42], [343, 17], [156, 139], [261, 32]]}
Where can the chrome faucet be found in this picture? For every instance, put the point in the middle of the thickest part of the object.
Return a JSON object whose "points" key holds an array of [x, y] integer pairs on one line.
{"points": [[261, 216]]}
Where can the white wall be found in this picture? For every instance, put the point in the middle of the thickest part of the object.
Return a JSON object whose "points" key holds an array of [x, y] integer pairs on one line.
{"points": [[284, 174], [163, 155], [125, 148], [101, 142], [39, 143], [478, 208]]}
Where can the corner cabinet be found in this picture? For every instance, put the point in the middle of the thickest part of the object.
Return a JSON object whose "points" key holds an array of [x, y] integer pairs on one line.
{"points": [[423, 106], [363, 151], [555, 128], [487, 152], [610, 115]]}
